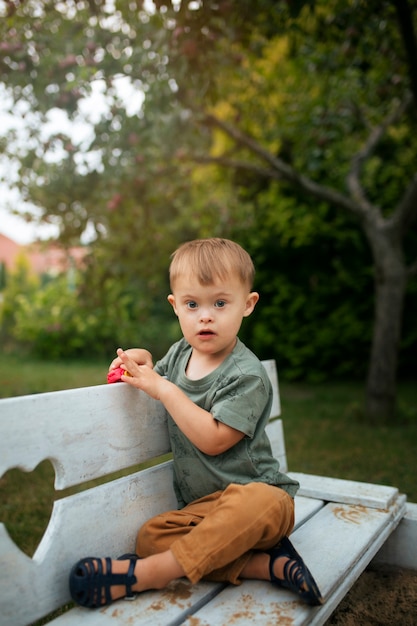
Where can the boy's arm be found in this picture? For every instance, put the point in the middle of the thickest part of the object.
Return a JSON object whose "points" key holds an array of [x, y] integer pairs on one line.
{"points": [[198, 425]]}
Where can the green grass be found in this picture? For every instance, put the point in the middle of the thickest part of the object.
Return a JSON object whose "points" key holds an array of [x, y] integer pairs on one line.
{"points": [[324, 434], [20, 375]]}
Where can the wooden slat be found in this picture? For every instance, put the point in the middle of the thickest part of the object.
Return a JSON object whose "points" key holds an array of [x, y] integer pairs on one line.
{"points": [[271, 370], [305, 508], [345, 540], [254, 602], [86, 433], [168, 607], [345, 491], [275, 433]]}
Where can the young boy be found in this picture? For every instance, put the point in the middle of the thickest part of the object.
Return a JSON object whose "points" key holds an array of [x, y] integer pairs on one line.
{"points": [[236, 508]]}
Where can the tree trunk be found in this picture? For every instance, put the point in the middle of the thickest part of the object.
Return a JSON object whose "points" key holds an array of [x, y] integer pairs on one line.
{"points": [[390, 287]]}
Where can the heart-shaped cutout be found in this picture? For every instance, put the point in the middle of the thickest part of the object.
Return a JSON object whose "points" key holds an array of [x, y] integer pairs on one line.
{"points": [[26, 504]]}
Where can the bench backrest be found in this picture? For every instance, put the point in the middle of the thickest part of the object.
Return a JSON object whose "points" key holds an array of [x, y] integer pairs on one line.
{"points": [[87, 434]]}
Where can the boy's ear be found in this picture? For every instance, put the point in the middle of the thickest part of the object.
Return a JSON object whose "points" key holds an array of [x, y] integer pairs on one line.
{"points": [[171, 300], [251, 301]]}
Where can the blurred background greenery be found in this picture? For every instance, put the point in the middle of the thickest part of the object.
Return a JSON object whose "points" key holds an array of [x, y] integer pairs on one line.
{"points": [[289, 127]]}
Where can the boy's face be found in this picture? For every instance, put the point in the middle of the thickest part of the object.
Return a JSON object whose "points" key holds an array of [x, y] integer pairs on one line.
{"points": [[210, 315]]}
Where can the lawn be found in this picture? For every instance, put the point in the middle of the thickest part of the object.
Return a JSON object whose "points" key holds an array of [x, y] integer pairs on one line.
{"points": [[20, 375], [324, 434]]}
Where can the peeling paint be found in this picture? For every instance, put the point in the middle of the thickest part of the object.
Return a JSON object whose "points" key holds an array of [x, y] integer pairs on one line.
{"points": [[251, 609], [354, 514]]}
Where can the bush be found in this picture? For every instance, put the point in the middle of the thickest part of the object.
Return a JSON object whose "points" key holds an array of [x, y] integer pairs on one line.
{"points": [[53, 321]]}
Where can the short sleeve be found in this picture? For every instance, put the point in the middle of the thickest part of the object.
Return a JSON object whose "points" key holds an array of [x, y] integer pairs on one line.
{"points": [[241, 401]]}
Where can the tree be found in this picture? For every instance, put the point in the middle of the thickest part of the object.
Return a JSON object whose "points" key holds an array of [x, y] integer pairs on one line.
{"points": [[338, 127], [386, 227]]}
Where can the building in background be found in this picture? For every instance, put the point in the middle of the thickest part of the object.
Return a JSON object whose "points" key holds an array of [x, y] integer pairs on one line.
{"points": [[44, 258]]}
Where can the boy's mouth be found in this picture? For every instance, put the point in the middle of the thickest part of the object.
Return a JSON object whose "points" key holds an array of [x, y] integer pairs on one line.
{"points": [[206, 333]]}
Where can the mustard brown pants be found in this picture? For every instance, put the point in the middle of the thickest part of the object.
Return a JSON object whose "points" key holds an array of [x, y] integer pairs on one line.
{"points": [[214, 537]]}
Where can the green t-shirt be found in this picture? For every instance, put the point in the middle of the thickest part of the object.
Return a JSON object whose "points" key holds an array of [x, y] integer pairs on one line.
{"points": [[239, 394]]}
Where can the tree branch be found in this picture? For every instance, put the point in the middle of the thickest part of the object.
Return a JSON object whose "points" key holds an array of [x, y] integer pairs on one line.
{"points": [[238, 164], [278, 169], [353, 179]]}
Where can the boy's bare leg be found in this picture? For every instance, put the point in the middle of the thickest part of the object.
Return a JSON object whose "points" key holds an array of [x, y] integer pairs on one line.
{"points": [[257, 568], [301, 582]]}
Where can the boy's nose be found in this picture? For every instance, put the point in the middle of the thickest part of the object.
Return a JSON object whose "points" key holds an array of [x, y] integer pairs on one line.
{"points": [[205, 316]]}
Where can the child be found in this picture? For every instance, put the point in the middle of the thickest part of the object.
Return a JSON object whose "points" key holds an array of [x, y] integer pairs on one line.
{"points": [[236, 509]]}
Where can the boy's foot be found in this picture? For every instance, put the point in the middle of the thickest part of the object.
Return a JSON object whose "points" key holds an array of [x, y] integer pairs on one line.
{"points": [[290, 572], [93, 583]]}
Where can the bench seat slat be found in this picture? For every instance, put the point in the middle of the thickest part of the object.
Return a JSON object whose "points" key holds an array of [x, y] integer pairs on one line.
{"points": [[305, 508], [256, 602], [345, 540], [168, 607], [345, 491]]}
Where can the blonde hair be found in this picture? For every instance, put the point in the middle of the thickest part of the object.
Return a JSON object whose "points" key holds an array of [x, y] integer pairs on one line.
{"points": [[211, 259]]}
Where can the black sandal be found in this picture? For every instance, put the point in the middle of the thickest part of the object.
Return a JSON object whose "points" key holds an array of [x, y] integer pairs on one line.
{"points": [[90, 585], [297, 577]]}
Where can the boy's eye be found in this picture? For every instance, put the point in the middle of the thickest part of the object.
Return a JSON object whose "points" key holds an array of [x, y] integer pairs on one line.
{"points": [[220, 304], [192, 305]]}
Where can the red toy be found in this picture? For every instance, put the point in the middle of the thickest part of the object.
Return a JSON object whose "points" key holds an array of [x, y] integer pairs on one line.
{"points": [[115, 376]]}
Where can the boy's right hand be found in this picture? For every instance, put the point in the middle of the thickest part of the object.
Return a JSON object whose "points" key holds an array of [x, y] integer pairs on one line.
{"points": [[139, 355], [141, 375]]}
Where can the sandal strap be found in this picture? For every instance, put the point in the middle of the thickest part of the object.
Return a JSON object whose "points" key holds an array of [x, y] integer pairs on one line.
{"points": [[132, 557], [294, 573], [109, 579], [131, 579], [89, 581]]}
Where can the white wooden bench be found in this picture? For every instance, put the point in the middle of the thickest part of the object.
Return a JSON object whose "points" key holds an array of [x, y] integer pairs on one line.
{"points": [[92, 432]]}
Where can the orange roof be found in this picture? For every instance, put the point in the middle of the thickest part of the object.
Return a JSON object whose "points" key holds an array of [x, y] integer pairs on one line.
{"points": [[43, 257]]}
